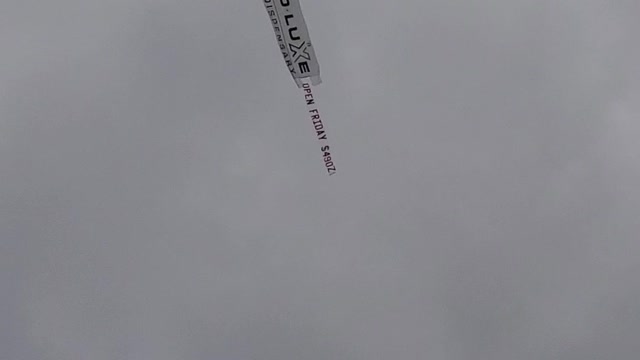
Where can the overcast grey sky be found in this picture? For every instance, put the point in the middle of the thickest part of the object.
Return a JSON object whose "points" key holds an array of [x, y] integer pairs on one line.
{"points": [[162, 195]]}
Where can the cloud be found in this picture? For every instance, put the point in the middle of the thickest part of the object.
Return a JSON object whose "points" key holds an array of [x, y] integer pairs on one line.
{"points": [[162, 196]]}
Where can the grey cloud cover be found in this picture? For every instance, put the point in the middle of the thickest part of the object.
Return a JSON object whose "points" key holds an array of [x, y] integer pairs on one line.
{"points": [[162, 197]]}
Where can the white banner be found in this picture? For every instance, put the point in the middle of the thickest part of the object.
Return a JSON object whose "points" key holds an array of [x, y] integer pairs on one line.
{"points": [[293, 38]]}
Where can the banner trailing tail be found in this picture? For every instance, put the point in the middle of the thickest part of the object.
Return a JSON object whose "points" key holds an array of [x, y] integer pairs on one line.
{"points": [[320, 129]]}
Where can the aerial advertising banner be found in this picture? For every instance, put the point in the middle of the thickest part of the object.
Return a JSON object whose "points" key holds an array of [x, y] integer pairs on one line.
{"points": [[293, 39], [294, 43]]}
